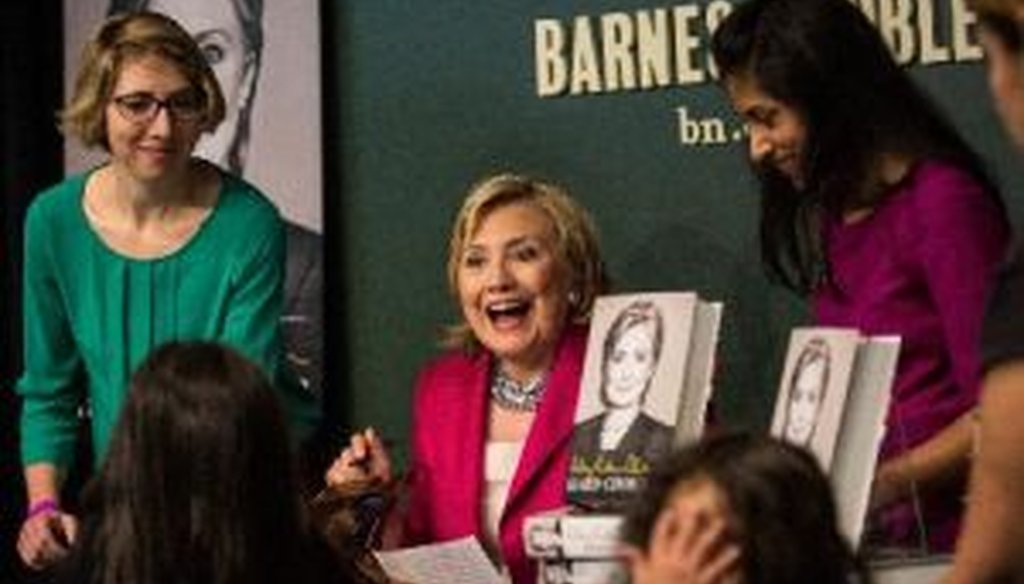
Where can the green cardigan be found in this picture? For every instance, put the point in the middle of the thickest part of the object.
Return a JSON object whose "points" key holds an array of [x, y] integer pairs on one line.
{"points": [[91, 311]]}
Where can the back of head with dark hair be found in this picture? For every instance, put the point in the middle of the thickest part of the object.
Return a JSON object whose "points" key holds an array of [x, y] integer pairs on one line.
{"points": [[777, 494], [826, 60], [198, 485]]}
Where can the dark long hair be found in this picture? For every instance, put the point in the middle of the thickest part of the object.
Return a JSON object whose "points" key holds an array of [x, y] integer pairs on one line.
{"points": [[825, 59], [778, 496], [198, 485]]}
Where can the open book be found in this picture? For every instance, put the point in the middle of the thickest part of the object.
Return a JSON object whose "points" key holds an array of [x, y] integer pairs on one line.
{"points": [[646, 385], [833, 399]]}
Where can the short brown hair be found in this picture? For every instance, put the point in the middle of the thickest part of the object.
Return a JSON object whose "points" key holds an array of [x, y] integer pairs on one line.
{"points": [[576, 243], [119, 39]]}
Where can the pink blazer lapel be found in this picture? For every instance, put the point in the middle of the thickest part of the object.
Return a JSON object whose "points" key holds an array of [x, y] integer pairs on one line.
{"points": [[450, 415], [470, 438]]}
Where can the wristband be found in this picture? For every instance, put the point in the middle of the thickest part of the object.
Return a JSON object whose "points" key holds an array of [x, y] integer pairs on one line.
{"points": [[42, 506]]}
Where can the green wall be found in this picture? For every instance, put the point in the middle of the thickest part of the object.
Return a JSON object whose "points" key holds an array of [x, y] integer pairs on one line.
{"points": [[435, 95]]}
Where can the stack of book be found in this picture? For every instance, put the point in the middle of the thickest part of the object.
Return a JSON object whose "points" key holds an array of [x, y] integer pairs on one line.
{"points": [[575, 548], [645, 390], [647, 382]]}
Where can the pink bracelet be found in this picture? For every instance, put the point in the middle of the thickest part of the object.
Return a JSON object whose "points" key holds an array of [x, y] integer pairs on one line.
{"points": [[42, 506]]}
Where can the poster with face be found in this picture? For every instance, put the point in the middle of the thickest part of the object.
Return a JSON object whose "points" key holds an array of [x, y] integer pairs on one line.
{"points": [[266, 56], [812, 393], [633, 377]]}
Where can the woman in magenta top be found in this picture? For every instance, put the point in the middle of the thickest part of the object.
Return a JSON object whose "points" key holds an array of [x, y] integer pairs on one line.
{"points": [[874, 208]]}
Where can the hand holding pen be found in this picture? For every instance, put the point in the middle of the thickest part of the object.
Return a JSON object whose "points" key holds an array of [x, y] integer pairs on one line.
{"points": [[46, 534], [364, 461]]}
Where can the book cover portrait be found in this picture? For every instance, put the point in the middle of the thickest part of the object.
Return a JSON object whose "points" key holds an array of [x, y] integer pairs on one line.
{"points": [[813, 389], [633, 377]]}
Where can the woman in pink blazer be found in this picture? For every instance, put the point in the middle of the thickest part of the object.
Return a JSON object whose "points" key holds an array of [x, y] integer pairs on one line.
{"points": [[493, 418]]}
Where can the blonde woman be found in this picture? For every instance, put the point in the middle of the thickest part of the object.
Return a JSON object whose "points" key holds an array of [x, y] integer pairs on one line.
{"points": [[493, 417], [152, 246]]}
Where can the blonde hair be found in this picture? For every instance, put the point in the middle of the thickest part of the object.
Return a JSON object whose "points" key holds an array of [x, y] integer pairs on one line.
{"points": [[122, 38], [576, 243]]}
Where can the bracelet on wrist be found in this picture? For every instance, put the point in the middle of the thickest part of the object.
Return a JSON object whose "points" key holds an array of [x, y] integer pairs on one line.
{"points": [[47, 505]]}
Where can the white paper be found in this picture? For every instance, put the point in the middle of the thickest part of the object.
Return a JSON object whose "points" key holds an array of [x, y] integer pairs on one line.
{"points": [[460, 561]]}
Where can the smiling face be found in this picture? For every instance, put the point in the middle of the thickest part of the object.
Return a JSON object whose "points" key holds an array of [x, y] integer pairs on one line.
{"points": [[153, 149], [806, 394], [777, 133], [217, 29], [630, 365], [513, 288]]}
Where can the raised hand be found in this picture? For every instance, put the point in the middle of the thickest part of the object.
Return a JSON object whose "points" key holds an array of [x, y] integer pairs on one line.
{"points": [[687, 546], [45, 538], [364, 461]]}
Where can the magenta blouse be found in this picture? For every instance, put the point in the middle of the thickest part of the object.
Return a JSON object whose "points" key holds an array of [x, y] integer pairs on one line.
{"points": [[921, 266]]}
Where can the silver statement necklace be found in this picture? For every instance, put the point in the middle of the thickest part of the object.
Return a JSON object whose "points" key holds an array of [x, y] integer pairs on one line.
{"points": [[509, 394]]}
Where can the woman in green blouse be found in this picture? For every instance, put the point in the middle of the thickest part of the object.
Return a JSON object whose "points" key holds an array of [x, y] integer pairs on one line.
{"points": [[153, 246]]}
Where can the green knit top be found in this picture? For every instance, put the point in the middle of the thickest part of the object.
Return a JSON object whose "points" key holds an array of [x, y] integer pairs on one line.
{"points": [[92, 315]]}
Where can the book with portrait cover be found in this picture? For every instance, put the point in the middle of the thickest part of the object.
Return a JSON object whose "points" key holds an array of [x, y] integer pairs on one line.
{"points": [[832, 400], [565, 571], [645, 389], [568, 533], [812, 391], [574, 547]]}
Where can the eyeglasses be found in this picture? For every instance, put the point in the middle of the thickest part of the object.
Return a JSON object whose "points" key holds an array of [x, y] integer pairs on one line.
{"points": [[142, 108]]}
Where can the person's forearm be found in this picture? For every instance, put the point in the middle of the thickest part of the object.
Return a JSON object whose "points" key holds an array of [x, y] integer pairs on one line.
{"points": [[939, 461], [991, 546], [42, 481]]}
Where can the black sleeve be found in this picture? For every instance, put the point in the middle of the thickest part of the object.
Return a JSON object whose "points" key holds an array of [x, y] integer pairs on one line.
{"points": [[1002, 337]]}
